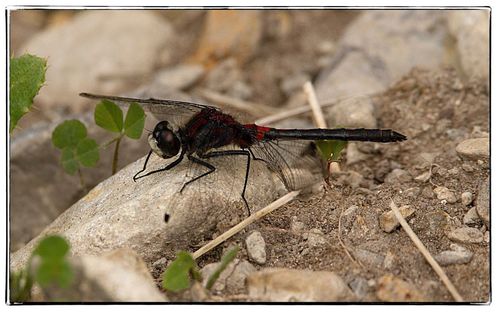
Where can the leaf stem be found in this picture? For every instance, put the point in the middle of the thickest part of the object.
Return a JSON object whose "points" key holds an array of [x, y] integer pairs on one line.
{"points": [[82, 182], [115, 155]]}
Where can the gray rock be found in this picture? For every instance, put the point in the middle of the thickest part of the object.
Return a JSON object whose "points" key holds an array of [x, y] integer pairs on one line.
{"points": [[471, 31], [471, 217], [285, 285], [474, 149], [180, 77], [232, 278], [354, 179], [424, 177], [466, 198], [443, 193], [160, 263], [122, 213], [398, 176], [223, 77], [365, 63], [256, 247], [117, 46], [483, 202], [465, 235], [388, 221], [457, 255], [355, 112], [118, 276]]}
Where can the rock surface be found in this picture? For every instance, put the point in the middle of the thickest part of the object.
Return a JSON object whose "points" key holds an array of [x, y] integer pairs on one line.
{"points": [[457, 255], [373, 53], [121, 213], [388, 221], [474, 149], [285, 285], [97, 66], [393, 289], [232, 278], [483, 202], [465, 235], [118, 276], [256, 247]]}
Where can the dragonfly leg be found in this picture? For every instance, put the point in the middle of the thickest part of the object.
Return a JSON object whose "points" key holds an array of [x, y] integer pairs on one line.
{"points": [[212, 168], [144, 167], [168, 167]]}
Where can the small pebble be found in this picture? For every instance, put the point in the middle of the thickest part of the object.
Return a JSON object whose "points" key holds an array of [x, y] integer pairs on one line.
{"points": [[359, 286], [160, 263], [465, 235], [424, 177], [457, 255], [474, 149], [487, 237], [256, 247], [389, 260], [483, 202], [180, 77], [443, 193], [471, 218], [393, 289], [388, 222], [296, 226], [466, 198], [412, 192], [467, 168], [353, 155], [315, 238], [354, 179]]}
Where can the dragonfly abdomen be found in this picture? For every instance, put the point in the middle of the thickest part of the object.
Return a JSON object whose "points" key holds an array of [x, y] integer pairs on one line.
{"points": [[341, 134]]}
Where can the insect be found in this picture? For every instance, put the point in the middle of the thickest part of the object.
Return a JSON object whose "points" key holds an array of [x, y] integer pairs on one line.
{"points": [[202, 132]]}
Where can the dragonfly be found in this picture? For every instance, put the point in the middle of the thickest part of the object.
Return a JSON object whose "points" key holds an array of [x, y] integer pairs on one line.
{"points": [[201, 132]]}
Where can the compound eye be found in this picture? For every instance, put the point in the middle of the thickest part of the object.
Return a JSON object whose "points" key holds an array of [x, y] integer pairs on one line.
{"points": [[165, 143]]}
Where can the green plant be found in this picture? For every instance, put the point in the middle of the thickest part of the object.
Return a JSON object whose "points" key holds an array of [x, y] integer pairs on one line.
{"points": [[109, 116], [27, 75], [330, 150], [178, 275], [78, 150], [52, 268]]}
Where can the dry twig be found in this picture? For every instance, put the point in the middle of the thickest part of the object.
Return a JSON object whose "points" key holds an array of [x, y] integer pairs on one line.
{"points": [[437, 268], [252, 218]]}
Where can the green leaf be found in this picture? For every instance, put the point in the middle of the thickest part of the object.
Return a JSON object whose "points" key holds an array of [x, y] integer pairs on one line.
{"points": [[56, 271], [134, 121], [330, 150], [52, 247], [176, 277], [69, 160], [27, 75], [68, 134], [224, 262], [53, 267], [109, 116], [87, 152]]}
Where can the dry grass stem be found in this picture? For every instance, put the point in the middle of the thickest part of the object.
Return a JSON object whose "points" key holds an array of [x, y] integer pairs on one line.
{"points": [[437, 268], [240, 226], [313, 102]]}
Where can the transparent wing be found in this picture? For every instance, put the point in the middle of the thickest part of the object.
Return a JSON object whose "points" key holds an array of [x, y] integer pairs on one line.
{"points": [[294, 161], [175, 112]]}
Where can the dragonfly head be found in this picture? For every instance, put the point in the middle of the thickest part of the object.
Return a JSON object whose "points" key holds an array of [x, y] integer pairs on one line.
{"points": [[164, 141]]}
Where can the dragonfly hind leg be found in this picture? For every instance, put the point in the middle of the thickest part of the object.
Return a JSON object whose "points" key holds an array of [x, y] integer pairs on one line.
{"points": [[212, 168]]}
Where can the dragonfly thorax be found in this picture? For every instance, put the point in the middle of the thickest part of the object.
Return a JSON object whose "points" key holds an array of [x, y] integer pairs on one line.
{"points": [[163, 140]]}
